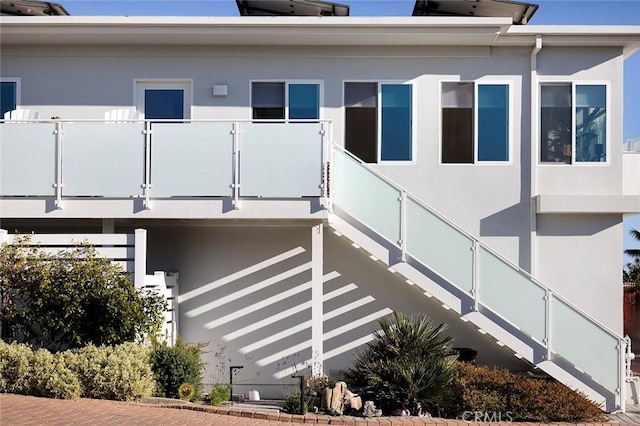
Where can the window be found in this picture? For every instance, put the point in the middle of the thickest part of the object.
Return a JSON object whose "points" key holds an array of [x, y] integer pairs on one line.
{"points": [[302, 101], [573, 123], [163, 99], [378, 121], [8, 96], [475, 115]]}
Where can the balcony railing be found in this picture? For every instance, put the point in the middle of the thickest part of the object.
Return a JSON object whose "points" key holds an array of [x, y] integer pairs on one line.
{"points": [[493, 283], [144, 159]]}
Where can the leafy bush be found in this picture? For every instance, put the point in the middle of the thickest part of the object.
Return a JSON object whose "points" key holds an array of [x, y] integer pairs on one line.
{"points": [[219, 394], [409, 362], [71, 299], [121, 372], [174, 365], [292, 404], [15, 360], [51, 377], [480, 389]]}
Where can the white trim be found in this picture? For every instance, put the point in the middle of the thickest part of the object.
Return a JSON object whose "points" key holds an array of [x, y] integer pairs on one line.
{"points": [[184, 84], [287, 82], [18, 82], [510, 116], [575, 82]]}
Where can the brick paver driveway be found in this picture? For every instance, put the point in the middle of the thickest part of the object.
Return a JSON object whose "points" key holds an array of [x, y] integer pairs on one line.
{"points": [[29, 410]]}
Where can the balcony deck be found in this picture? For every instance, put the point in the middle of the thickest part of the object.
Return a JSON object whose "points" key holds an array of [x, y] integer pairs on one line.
{"points": [[188, 169]]}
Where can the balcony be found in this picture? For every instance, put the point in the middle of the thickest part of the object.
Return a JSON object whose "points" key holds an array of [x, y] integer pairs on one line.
{"points": [[193, 169]]}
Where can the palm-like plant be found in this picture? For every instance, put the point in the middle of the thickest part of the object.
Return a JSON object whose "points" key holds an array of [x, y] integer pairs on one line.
{"points": [[410, 361], [635, 253]]}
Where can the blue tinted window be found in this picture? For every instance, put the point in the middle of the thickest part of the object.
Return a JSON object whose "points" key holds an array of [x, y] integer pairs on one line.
{"points": [[163, 104], [493, 122], [304, 101], [396, 122], [591, 123], [8, 96]]}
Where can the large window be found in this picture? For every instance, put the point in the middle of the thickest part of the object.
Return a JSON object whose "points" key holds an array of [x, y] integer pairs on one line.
{"points": [[475, 123], [378, 121], [8, 96], [573, 123], [280, 100]]}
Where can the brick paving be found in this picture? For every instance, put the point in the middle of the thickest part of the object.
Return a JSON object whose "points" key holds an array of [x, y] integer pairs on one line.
{"points": [[28, 410]]}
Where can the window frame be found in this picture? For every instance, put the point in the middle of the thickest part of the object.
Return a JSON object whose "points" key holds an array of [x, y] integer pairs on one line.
{"points": [[141, 85], [574, 83], [510, 118], [286, 83], [414, 133], [17, 81]]}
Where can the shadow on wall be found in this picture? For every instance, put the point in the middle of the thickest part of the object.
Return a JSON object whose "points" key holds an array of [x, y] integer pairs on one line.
{"points": [[247, 291]]}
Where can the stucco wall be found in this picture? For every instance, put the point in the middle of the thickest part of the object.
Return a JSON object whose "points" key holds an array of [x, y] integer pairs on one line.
{"points": [[490, 201], [208, 258]]}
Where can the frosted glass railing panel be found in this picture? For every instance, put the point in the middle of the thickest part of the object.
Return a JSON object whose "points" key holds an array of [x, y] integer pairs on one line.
{"points": [[103, 159], [193, 159], [366, 197], [280, 160], [439, 246], [27, 159], [512, 295], [585, 345]]}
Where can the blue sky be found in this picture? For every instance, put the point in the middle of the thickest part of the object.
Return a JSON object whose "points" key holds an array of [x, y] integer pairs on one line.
{"points": [[551, 12]]}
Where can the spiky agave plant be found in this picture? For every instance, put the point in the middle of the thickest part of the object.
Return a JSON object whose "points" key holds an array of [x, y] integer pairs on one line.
{"points": [[410, 361]]}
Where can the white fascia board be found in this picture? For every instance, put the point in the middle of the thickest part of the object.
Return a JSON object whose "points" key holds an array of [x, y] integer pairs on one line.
{"points": [[625, 36], [587, 204], [250, 30]]}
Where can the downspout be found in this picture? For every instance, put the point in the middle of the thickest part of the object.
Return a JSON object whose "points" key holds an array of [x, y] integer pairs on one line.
{"points": [[535, 128]]}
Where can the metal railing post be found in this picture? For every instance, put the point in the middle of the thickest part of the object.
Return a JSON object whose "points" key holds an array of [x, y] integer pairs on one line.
{"points": [[403, 226], [548, 298], [59, 132], [475, 275], [235, 132], [147, 166]]}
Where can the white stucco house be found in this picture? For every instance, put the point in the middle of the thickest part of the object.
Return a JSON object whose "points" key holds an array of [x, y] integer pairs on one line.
{"points": [[308, 175]]}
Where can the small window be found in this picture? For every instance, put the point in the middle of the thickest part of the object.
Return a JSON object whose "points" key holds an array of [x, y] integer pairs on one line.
{"points": [[361, 100], [378, 121], [8, 96], [304, 101], [164, 104], [564, 141], [267, 101], [471, 120]]}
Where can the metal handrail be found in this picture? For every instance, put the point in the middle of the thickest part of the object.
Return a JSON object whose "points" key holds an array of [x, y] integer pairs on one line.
{"points": [[481, 244]]}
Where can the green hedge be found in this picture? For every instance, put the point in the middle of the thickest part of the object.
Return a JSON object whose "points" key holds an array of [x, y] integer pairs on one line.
{"points": [[483, 390], [175, 365], [120, 372]]}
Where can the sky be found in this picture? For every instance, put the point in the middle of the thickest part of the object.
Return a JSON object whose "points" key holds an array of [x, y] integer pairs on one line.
{"points": [[551, 12]]}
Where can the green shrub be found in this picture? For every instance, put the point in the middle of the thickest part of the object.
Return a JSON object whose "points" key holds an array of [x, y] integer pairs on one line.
{"points": [[292, 404], [219, 394], [174, 365], [15, 359], [51, 377], [409, 362], [481, 389], [71, 299], [120, 372]]}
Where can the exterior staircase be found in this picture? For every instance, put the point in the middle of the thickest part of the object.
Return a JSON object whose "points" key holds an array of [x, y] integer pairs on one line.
{"points": [[476, 282]]}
